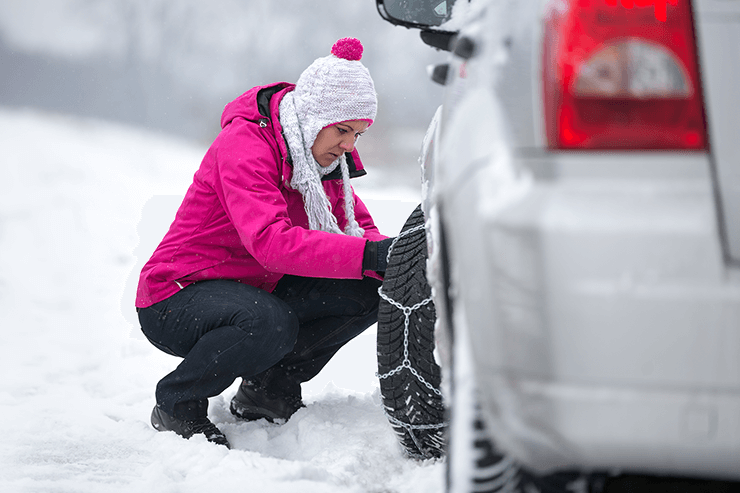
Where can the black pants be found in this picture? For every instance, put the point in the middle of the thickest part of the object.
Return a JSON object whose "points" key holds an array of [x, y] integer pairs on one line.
{"points": [[224, 330]]}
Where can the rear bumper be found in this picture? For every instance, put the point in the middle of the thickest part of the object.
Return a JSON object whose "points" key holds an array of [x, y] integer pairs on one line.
{"points": [[556, 426]]}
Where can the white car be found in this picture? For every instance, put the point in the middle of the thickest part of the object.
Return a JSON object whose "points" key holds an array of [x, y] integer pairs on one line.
{"points": [[582, 182]]}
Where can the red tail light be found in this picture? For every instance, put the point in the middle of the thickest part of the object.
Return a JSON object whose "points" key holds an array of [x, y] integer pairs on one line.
{"points": [[622, 74]]}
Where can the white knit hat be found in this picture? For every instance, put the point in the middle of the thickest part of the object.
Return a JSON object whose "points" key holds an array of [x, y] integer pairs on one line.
{"points": [[333, 89]]}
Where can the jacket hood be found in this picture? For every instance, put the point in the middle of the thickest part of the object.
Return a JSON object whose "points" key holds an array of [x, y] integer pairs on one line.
{"points": [[257, 103]]}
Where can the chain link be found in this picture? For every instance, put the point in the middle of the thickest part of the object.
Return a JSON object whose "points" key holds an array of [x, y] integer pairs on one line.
{"points": [[406, 363]]}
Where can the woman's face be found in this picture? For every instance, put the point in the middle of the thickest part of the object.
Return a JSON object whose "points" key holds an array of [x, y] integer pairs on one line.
{"points": [[335, 140]]}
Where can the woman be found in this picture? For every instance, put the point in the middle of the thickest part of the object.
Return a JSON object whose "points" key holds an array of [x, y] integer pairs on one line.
{"points": [[271, 264]]}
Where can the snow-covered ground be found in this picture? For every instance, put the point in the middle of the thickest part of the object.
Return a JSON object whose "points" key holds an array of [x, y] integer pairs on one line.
{"points": [[83, 205]]}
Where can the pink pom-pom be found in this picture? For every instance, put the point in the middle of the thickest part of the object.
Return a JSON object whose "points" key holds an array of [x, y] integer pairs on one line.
{"points": [[347, 48]]}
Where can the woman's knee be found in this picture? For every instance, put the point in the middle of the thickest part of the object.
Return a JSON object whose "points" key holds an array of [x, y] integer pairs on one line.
{"points": [[317, 297]]}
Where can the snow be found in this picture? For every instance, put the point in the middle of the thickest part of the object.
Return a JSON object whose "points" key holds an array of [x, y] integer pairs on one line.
{"points": [[83, 205]]}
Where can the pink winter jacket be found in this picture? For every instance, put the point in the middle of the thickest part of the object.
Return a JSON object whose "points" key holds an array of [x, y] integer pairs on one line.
{"points": [[241, 220]]}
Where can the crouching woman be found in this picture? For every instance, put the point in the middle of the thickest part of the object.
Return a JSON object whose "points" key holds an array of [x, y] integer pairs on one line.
{"points": [[271, 264]]}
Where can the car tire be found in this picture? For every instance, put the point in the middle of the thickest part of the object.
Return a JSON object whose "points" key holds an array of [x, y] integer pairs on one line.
{"points": [[409, 375]]}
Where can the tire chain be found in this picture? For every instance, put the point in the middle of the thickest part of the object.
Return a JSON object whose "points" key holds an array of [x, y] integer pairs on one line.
{"points": [[432, 450]]}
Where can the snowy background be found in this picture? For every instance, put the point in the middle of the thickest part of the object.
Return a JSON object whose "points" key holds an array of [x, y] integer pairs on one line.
{"points": [[106, 109]]}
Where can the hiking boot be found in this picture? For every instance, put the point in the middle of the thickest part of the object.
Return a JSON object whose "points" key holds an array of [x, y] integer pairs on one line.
{"points": [[253, 403], [186, 428]]}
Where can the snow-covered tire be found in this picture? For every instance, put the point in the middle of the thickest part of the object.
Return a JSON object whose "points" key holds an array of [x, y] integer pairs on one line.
{"points": [[409, 375]]}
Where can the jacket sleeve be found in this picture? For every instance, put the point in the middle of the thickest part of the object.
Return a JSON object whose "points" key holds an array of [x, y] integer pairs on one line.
{"points": [[246, 179]]}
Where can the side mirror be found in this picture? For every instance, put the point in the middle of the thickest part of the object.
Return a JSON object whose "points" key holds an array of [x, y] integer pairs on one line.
{"points": [[415, 13], [421, 14]]}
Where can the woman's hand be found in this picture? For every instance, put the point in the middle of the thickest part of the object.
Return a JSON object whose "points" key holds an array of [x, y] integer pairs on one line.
{"points": [[375, 256]]}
